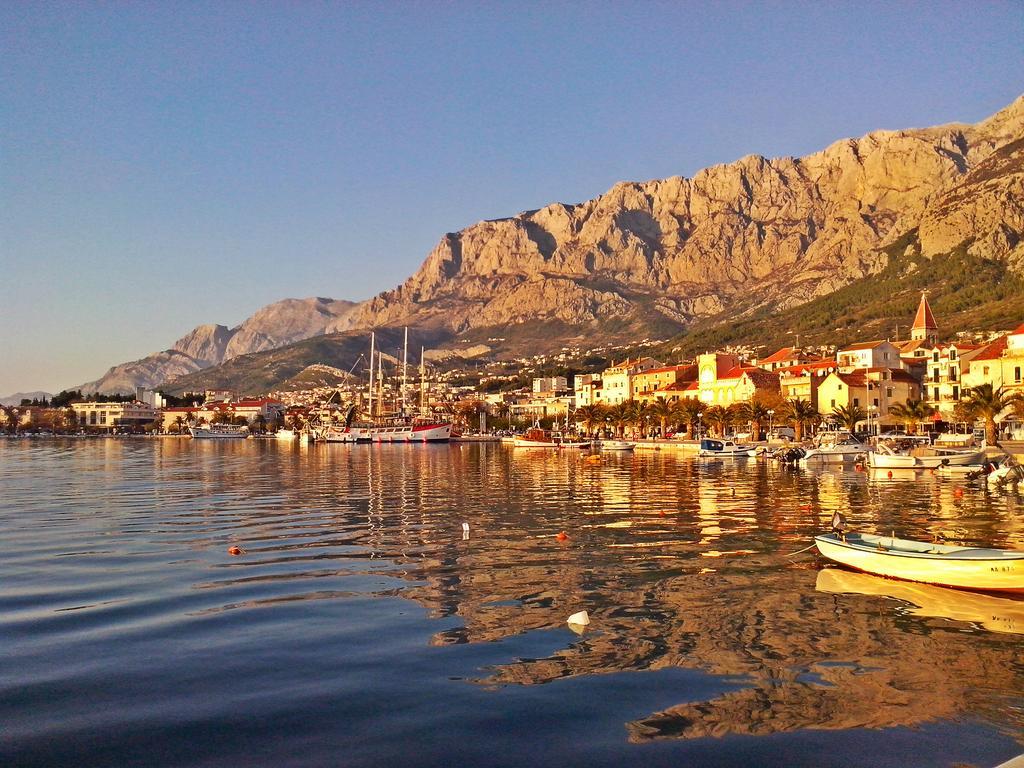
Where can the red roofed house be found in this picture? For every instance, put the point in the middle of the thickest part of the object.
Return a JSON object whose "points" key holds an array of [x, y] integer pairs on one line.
{"points": [[801, 382], [1000, 363], [873, 390], [941, 386], [722, 380], [669, 382], [869, 354], [784, 358]]}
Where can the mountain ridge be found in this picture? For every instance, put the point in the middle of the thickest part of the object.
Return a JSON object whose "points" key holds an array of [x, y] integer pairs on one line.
{"points": [[665, 254]]}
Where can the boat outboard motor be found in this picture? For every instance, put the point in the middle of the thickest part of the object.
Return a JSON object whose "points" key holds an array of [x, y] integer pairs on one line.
{"points": [[838, 525]]}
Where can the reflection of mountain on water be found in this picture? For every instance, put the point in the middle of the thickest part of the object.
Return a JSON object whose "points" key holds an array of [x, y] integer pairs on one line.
{"points": [[812, 661], [640, 531]]}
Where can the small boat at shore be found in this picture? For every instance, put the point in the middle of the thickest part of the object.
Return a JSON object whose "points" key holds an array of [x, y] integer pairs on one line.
{"points": [[726, 449], [220, 432], [614, 445], [975, 568], [544, 438], [833, 448]]}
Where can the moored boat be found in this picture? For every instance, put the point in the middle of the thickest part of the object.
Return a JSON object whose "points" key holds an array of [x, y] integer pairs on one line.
{"points": [[220, 432], [614, 445], [544, 438], [725, 448], [975, 568], [833, 448], [883, 457]]}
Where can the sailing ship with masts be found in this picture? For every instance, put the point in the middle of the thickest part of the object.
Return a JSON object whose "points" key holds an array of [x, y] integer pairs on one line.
{"points": [[399, 424]]}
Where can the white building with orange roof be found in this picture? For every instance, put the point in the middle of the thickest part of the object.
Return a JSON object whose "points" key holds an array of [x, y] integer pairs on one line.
{"points": [[647, 384], [787, 357], [617, 381], [873, 390], [999, 363], [942, 385], [801, 382], [869, 354]]}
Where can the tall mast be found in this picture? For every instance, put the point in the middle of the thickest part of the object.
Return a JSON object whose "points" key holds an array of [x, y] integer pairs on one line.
{"points": [[380, 382], [423, 386], [372, 341], [405, 366]]}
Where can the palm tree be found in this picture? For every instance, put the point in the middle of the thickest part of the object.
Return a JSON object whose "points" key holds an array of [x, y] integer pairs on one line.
{"points": [[619, 417], [911, 412], [718, 418], [849, 415], [591, 416], [665, 411], [986, 402], [178, 424], [639, 416], [690, 411], [799, 413]]}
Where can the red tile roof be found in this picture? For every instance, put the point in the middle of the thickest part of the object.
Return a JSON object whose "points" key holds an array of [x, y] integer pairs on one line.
{"points": [[815, 365], [993, 351], [1019, 330], [924, 319], [786, 353]]}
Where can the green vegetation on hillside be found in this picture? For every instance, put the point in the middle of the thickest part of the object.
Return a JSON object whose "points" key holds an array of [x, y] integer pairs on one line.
{"points": [[965, 292]]}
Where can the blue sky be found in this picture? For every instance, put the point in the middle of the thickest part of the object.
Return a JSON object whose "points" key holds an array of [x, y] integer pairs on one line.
{"points": [[164, 165]]}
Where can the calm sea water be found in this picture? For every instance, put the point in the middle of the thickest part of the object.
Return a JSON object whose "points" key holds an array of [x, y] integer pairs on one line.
{"points": [[360, 627]]}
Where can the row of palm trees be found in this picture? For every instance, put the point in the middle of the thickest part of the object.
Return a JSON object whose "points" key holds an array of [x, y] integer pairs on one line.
{"points": [[983, 402], [641, 418]]}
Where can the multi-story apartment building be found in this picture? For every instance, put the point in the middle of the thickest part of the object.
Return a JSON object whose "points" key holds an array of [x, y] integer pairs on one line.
{"points": [[617, 381], [114, 415]]}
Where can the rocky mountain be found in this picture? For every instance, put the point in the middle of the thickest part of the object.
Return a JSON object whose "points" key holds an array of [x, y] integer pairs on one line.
{"points": [[652, 258], [781, 231], [275, 325], [17, 397]]}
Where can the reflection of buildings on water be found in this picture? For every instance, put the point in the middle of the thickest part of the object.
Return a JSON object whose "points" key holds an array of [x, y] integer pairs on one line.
{"points": [[640, 529]]}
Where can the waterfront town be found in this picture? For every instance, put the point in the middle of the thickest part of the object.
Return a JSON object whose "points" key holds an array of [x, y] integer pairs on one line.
{"points": [[932, 382]]}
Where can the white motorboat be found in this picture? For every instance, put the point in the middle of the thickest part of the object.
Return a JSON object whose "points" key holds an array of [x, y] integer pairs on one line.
{"points": [[726, 449], [220, 432], [884, 457], [614, 445], [834, 448]]}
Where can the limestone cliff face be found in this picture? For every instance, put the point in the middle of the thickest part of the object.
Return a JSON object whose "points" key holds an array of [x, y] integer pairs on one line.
{"points": [[782, 230]]}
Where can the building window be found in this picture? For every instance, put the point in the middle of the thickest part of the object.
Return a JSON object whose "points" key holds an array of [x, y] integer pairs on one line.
{"points": [[956, 393], [876, 402], [952, 373], [856, 402], [935, 356], [833, 403], [984, 370], [1016, 374], [935, 374], [888, 391], [952, 354], [936, 391]]}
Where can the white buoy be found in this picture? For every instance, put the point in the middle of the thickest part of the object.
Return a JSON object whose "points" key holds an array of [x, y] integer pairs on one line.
{"points": [[581, 619]]}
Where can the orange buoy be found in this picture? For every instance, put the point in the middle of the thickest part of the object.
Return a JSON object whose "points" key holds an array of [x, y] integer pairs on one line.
{"points": [[562, 536], [806, 507], [234, 551], [890, 473], [959, 493]]}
